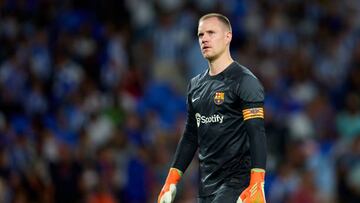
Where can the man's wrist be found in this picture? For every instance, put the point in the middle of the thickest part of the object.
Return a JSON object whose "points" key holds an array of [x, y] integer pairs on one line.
{"points": [[174, 176], [258, 170], [257, 175], [177, 170]]}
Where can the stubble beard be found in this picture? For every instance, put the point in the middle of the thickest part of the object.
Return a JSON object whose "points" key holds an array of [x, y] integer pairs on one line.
{"points": [[211, 57]]}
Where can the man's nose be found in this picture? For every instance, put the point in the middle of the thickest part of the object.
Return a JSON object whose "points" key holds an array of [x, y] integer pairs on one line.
{"points": [[204, 39]]}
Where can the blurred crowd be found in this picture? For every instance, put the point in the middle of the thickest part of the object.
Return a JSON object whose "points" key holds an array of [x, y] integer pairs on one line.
{"points": [[92, 96]]}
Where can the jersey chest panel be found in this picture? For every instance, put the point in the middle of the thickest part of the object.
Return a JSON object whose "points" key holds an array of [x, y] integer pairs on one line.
{"points": [[215, 96]]}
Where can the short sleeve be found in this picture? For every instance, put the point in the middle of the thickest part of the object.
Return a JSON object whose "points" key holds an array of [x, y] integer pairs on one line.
{"points": [[251, 92]]}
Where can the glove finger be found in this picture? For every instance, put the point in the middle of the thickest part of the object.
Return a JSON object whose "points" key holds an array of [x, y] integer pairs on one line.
{"points": [[161, 198], [243, 195], [239, 200], [167, 197], [172, 191]]}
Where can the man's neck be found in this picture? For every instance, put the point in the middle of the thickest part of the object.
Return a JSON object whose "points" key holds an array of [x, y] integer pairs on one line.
{"points": [[219, 65]]}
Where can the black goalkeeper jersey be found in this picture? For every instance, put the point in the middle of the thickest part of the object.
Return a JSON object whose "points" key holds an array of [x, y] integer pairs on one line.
{"points": [[217, 108]]}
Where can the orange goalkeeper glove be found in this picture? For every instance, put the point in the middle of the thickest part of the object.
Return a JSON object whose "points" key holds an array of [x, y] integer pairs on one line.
{"points": [[168, 192], [255, 192]]}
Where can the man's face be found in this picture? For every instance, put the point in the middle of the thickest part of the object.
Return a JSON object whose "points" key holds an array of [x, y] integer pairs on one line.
{"points": [[214, 38]]}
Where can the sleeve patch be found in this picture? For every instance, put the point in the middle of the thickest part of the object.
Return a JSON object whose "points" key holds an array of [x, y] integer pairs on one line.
{"points": [[253, 113]]}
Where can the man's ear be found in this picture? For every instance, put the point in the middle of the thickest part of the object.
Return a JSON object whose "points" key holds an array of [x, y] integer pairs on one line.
{"points": [[228, 37]]}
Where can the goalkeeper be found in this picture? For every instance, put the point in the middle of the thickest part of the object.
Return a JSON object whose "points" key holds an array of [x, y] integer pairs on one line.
{"points": [[225, 121]]}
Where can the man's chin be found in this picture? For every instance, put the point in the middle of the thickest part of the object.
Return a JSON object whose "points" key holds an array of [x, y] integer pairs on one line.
{"points": [[209, 57]]}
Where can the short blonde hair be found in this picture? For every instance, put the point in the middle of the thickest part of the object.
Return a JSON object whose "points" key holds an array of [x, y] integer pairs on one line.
{"points": [[220, 17]]}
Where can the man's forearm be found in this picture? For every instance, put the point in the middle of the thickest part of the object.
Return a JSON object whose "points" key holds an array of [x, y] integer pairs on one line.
{"points": [[256, 132], [185, 152]]}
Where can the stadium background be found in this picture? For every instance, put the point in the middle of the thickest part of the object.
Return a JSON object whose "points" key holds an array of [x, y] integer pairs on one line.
{"points": [[93, 96]]}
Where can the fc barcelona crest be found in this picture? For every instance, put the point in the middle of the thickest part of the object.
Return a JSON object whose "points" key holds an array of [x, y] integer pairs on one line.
{"points": [[219, 98]]}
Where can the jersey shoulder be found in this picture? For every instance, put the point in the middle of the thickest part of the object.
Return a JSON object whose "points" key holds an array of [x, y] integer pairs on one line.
{"points": [[195, 81], [238, 72], [248, 86]]}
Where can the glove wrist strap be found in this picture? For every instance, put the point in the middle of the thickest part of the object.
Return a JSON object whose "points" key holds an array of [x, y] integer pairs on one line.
{"points": [[257, 175], [174, 176]]}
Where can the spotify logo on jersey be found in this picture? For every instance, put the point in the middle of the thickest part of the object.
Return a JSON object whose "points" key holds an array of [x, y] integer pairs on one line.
{"points": [[216, 118]]}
